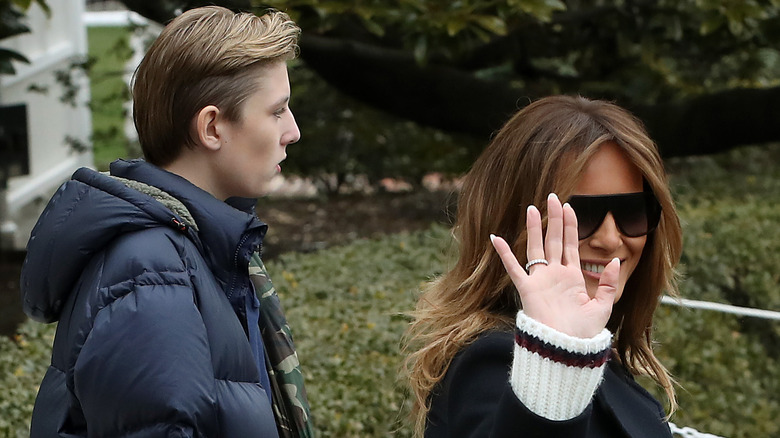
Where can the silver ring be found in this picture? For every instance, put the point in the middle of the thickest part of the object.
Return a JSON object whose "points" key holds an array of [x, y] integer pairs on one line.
{"points": [[535, 262]]}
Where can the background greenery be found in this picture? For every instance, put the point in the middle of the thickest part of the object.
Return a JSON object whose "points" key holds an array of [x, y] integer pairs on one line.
{"points": [[108, 52], [346, 307]]}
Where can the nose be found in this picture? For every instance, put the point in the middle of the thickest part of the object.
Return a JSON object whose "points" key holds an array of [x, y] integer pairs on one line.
{"points": [[607, 237], [291, 133]]}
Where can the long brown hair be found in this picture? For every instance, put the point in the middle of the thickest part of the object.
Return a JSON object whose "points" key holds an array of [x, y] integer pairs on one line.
{"points": [[543, 148]]}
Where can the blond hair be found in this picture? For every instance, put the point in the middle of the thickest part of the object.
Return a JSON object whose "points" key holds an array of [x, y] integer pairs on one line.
{"points": [[205, 56], [543, 148]]}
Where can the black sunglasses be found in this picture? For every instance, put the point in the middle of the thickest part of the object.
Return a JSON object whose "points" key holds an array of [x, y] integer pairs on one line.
{"points": [[636, 214]]}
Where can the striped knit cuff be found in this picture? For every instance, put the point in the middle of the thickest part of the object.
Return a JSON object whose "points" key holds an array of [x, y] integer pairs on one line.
{"points": [[554, 374]]}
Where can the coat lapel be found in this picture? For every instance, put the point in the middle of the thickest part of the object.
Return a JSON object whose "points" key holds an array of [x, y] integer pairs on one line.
{"points": [[634, 409]]}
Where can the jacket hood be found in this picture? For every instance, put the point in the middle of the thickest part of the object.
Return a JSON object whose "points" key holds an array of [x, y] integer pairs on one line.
{"points": [[89, 211], [85, 214]]}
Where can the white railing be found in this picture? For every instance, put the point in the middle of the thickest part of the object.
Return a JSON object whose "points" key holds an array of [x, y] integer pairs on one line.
{"points": [[687, 432]]}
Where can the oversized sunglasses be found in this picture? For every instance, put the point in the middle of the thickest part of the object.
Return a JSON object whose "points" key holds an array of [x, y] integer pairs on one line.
{"points": [[636, 214]]}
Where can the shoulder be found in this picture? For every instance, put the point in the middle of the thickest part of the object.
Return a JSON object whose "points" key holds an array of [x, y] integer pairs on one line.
{"points": [[489, 346], [475, 397], [153, 250], [484, 363], [618, 376]]}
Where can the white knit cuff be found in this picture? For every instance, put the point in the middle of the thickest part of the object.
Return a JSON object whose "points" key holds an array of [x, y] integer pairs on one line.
{"points": [[555, 375]]}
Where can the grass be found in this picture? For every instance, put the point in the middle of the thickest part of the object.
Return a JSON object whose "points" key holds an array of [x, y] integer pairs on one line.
{"points": [[109, 51]]}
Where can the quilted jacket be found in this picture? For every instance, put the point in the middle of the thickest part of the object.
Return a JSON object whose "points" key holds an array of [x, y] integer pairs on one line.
{"points": [[148, 276]]}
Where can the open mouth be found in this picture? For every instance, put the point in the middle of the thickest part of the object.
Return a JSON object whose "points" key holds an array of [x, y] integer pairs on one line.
{"points": [[595, 268], [592, 267]]}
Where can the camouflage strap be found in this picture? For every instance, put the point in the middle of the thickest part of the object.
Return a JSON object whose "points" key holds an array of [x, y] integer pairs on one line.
{"points": [[290, 405]]}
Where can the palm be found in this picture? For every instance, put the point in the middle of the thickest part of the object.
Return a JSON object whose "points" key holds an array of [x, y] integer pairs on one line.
{"points": [[555, 294]]}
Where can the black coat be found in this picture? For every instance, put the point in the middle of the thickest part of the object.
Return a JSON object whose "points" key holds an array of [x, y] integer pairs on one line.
{"points": [[475, 399], [151, 339]]}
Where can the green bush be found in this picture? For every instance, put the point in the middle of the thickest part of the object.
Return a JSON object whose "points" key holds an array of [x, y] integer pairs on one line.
{"points": [[109, 51], [23, 362], [346, 308], [727, 365]]}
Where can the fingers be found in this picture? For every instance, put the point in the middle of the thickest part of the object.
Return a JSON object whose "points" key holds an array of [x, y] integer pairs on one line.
{"points": [[508, 259], [553, 244], [608, 283], [535, 247], [571, 242]]}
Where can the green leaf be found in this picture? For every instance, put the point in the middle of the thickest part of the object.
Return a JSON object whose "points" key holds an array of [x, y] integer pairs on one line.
{"points": [[421, 49], [711, 24], [541, 9], [22, 4], [44, 6], [6, 67], [373, 27], [455, 25], [6, 56], [491, 23], [11, 22]]}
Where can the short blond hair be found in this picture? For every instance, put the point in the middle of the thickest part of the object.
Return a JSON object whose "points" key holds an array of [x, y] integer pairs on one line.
{"points": [[205, 56]]}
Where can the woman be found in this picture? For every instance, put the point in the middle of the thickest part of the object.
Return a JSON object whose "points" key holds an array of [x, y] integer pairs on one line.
{"points": [[551, 351]]}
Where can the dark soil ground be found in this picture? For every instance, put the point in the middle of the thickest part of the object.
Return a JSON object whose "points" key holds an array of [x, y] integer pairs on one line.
{"points": [[294, 225]]}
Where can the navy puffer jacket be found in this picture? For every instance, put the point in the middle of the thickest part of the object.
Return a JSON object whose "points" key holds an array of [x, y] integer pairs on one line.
{"points": [[147, 276]]}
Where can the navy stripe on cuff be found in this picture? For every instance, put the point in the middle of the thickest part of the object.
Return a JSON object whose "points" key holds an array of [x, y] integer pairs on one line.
{"points": [[558, 354]]}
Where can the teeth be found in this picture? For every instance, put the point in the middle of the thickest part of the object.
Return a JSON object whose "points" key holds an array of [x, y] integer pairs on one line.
{"points": [[592, 267]]}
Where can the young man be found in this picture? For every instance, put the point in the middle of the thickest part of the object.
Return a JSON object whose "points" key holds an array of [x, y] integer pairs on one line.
{"points": [[168, 323]]}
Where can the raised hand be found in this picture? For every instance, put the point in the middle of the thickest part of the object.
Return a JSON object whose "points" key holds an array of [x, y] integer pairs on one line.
{"points": [[555, 294]]}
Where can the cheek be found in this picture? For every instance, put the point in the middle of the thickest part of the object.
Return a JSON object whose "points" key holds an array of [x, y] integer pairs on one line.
{"points": [[636, 246]]}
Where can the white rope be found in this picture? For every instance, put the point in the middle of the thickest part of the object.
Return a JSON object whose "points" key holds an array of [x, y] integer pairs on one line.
{"points": [[687, 432], [725, 308]]}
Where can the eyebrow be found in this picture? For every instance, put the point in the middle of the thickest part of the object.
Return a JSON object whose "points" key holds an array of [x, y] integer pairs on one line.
{"points": [[281, 101]]}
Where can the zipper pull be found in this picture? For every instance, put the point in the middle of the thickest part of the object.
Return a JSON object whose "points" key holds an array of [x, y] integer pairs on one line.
{"points": [[181, 226]]}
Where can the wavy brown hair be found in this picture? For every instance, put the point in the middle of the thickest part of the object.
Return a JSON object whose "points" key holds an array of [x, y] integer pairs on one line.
{"points": [[542, 149]]}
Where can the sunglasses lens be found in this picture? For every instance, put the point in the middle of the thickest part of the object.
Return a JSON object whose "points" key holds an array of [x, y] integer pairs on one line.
{"points": [[630, 214], [590, 214], [636, 214]]}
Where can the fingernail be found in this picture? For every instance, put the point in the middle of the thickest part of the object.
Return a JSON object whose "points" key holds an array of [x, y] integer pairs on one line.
{"points": [[618, 260], [530, 207], [492, 238], [565, 204], [552, 196]]}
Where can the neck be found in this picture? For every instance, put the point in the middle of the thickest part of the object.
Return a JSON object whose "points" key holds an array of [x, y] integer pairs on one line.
{"points": [[195, 168]]}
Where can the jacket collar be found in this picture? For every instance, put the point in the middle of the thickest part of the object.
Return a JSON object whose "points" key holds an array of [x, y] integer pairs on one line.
{"points": [[229, 232]]}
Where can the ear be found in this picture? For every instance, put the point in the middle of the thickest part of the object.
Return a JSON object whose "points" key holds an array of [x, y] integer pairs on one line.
{"points": [[207, 127]]}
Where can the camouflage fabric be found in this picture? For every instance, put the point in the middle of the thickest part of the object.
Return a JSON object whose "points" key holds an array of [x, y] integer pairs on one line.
{"points": [[290, 405]]}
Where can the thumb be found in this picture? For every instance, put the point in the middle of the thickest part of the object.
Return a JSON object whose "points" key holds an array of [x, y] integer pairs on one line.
{"points": [[608, 283]]}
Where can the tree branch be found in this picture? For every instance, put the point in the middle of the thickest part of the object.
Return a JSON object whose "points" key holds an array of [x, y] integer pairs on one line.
{"points": [[451, 100], [393, 81]]}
